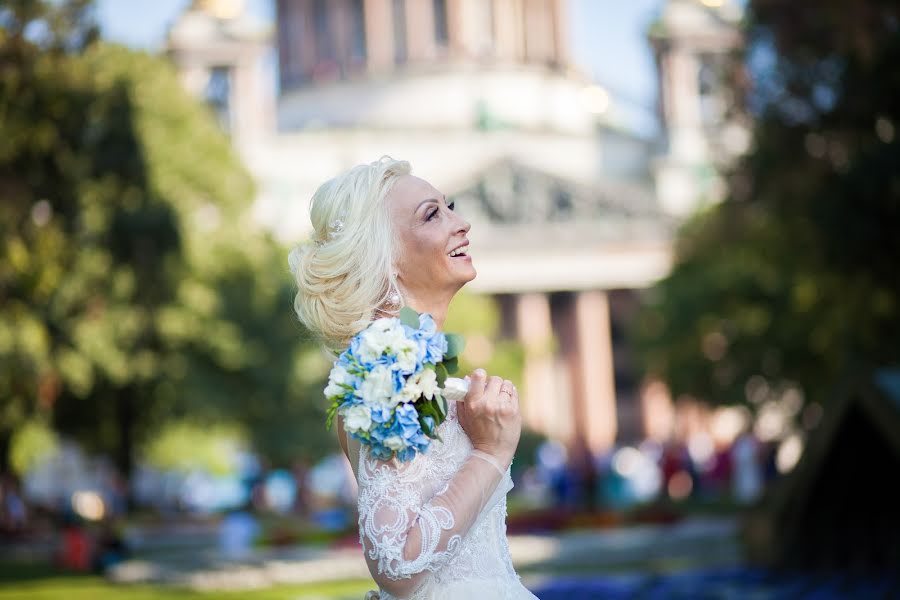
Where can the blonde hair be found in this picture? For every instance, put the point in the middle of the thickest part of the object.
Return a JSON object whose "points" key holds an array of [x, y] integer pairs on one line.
{"points": [[347, 271]]}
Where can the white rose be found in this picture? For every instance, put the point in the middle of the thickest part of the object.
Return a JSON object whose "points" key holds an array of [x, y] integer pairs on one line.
{"points": [[339, 377], [396, 399], [455, 389], [394, 442], [411, 390], [333, 389], [383, 324], [357, 418], [406, 354], [372, 344], [378, 386], [339, 374], [426, 381]]}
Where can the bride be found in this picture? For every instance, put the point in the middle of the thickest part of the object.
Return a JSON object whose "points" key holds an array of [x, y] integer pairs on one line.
{"points": [[434, 527]]}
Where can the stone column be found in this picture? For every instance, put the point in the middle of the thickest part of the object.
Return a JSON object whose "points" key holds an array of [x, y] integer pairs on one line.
{"points": [[456, 36], [561, 33], [379, 35], [508, 26], [594, 386], [540, 398], [420, 30], [657, 411]]}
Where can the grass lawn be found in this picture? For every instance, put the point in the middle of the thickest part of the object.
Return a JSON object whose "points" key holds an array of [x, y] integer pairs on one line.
{"points": [[41, 582]]}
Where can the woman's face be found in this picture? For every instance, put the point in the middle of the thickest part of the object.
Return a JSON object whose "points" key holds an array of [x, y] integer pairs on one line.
{"points": [[433, 248]]}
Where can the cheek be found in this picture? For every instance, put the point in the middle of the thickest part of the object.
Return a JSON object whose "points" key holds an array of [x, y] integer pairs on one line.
{"points": [[422, 252]]}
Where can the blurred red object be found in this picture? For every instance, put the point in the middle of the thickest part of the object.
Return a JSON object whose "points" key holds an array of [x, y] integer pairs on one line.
{"points": [[75, 552]]}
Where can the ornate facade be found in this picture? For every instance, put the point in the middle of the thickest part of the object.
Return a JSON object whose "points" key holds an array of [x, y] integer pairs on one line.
{"points": [[480, 96]]}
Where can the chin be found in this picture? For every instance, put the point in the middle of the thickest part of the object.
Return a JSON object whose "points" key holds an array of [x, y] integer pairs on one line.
{"points": [[469, 274]]}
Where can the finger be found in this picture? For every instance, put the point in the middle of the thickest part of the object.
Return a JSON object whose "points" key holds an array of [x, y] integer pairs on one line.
{"points": [[493, 387], [477, 383], [515, 396], [461, 410]]}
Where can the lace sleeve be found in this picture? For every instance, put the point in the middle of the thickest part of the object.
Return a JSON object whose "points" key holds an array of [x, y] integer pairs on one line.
{"points": [[407, 527]]}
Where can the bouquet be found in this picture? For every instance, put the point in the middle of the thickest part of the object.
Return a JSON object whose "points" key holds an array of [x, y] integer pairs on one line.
{"points": [[392, 384]]}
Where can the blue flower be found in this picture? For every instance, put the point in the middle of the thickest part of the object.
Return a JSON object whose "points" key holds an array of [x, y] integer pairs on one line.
{"points": [[430, 422], [427, 326], [407, 454], [399, 380], [381, 452], [432, 344], [437, 348], [380, 414], [407, 419]]}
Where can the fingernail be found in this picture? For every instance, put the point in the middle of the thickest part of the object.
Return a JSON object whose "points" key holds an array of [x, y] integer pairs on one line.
{"points": [[480, 372]]}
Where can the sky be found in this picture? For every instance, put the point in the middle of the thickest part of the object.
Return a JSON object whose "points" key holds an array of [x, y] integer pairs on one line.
{"points": [[607, 42]]}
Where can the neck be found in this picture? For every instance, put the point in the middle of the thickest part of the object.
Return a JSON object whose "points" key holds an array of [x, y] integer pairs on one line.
{"points": [[434, 304]]}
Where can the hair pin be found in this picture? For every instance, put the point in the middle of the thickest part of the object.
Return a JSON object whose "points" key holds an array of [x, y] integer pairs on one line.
{"points": [[334, 229]]}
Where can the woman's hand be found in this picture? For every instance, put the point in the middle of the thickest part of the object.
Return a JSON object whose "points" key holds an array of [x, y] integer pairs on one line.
{"points": [[490, 415]]}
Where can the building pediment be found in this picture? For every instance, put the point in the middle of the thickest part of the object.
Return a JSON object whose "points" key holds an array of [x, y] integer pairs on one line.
{"points": [[536, 231], [509, 195]]}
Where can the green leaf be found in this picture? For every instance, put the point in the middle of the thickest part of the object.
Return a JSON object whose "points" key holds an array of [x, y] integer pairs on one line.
{"points": [[428, 409], [455, 344], [441, 372], [451, 364], [442, 405], [331, 412], [409, 317]]}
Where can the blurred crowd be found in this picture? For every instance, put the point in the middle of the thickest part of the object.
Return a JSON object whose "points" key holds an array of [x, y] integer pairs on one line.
{"points": [[82, 504]]}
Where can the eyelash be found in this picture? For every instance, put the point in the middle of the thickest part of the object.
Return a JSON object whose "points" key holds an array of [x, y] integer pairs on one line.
{"points": [[451, 206]]}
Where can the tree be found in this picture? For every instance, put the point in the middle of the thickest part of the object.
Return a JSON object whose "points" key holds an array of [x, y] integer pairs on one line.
{"points": [[794, 277], [133, 287]]}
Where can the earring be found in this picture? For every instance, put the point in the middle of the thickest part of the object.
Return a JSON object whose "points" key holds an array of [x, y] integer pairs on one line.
{"points": [[394, 299]]}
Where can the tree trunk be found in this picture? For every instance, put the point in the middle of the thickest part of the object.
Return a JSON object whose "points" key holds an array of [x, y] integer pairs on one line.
{"points": [[125, 416], [5, 447]]}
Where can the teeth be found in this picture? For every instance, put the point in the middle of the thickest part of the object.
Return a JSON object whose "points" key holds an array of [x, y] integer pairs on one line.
{"points": [[458, 251]]}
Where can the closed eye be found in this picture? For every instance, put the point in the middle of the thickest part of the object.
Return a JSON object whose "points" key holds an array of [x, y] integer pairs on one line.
{"points": [[433, 212]]}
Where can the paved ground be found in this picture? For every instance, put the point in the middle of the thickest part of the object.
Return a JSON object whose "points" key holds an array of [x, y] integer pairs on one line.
{"points": [[706, 542]]}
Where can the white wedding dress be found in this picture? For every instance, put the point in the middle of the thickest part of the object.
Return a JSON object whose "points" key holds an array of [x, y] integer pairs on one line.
{"points": [[434, 528]]}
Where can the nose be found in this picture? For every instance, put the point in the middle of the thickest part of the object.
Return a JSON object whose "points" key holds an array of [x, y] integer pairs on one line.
{"points": [[463, 226]]}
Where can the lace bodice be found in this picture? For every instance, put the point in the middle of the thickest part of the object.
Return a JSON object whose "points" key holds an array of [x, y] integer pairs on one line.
{"points": [[436, 526]]}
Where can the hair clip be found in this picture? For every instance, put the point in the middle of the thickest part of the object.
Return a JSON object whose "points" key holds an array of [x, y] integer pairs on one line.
{"points": [[335, 228]]}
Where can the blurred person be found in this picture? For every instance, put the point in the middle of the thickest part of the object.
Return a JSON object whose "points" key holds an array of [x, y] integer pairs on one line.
{"points": [[718, 477], [76, 547], [111, 547], [13, 511], [238, 532], [747, 475], [434, 527]]}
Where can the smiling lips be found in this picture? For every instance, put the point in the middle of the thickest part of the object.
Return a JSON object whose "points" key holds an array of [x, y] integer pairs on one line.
{"points": [[459, 251]]}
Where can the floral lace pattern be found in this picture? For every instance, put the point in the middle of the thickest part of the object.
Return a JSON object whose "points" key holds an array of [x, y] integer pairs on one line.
{"points": [[395, 496]]}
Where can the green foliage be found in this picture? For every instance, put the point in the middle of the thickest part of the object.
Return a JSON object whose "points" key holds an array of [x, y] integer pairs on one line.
{"points": [[477, 319], [409, 317], [455, 345], [794, 277], [32, 444], [133, 289], [186, 446]]}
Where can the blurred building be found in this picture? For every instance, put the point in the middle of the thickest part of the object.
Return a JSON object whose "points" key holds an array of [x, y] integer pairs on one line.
{"points": [[481, 97], [704, 132]]}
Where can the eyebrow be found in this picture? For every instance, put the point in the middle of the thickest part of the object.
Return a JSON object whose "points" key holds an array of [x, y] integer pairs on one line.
{"points": [[443, 196]]}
